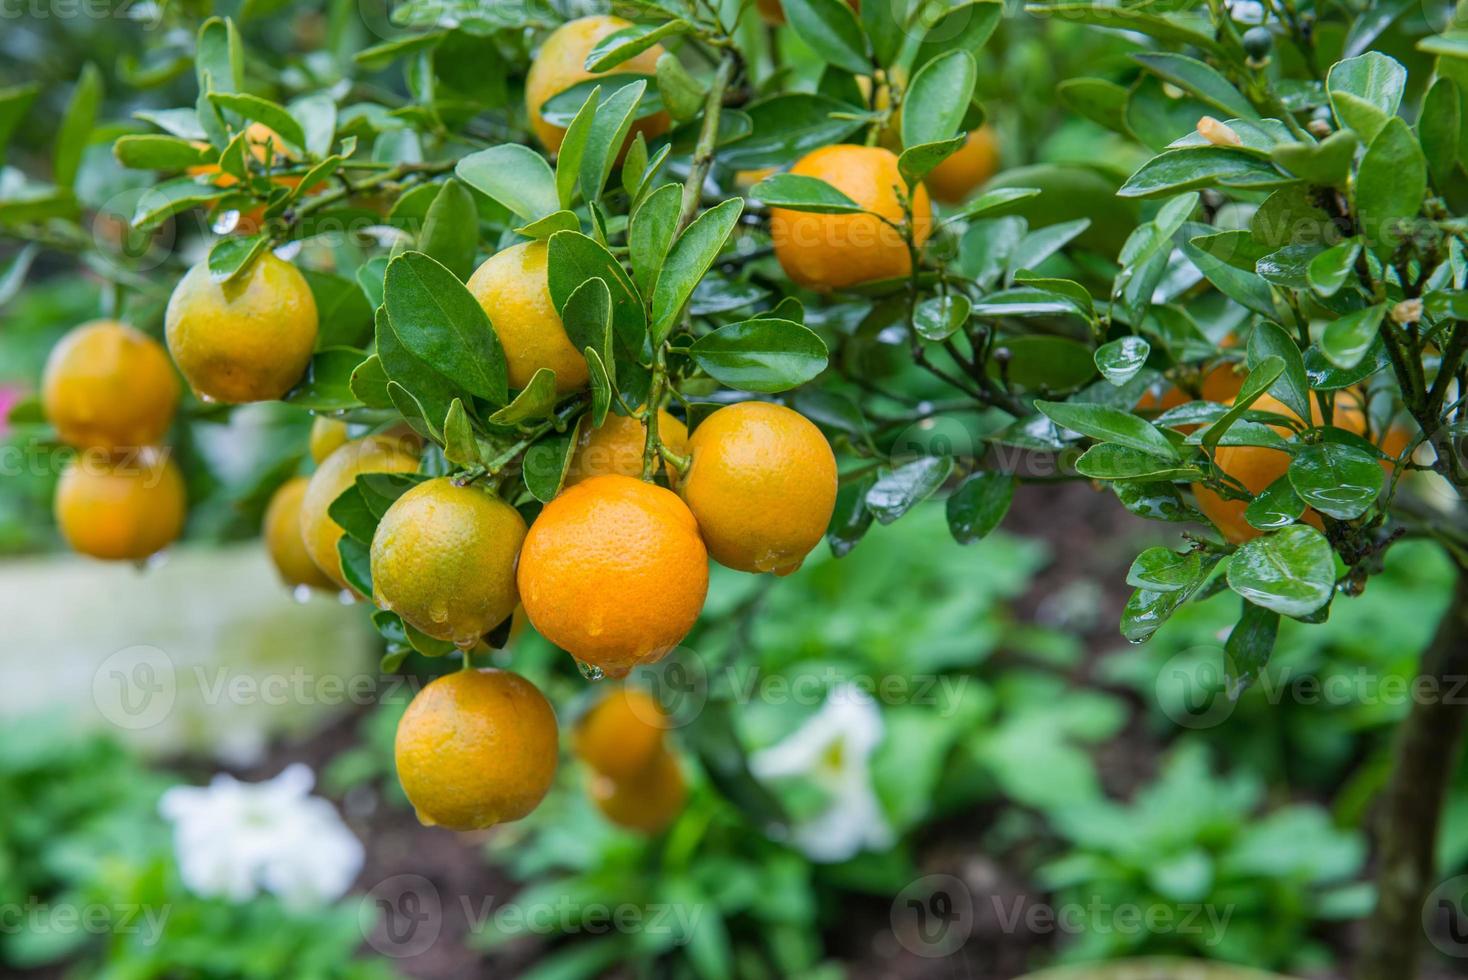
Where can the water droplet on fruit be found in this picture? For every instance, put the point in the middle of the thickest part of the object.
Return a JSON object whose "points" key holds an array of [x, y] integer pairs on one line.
{"points": [[346, 598], [302, 594], [590, 671], [439, 612]]}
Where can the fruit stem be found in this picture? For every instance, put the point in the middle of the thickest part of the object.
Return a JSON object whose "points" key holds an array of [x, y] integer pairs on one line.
{"points": [[652, 444]]}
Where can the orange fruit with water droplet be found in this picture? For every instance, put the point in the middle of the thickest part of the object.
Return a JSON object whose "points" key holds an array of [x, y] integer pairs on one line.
{"points": [[109, 386]]}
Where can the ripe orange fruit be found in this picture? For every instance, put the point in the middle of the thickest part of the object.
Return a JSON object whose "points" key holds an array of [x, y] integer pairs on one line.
{"points": [[283, 541], [614, 572], [833, 251], [120, 508], [1257, 467], [975, 162], [443, 558], [1220, 384], [646, 802], [615, 447], [511, 286], [622, 734], [108, 386], [245, 341], [327, 434], [476, 748], [374, 454], [762, 485], [266, 146], [561, 63]]}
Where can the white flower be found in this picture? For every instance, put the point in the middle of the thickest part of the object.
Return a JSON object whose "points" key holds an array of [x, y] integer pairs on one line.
{"points": [[833, 750], [234, 839]]}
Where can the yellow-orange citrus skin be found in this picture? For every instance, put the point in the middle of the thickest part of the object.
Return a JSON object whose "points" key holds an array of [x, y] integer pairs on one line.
{"points": [[648, 801], [476, 748], [244, 341], [834, 251], [375, 454], [511, 287], [283, 541], [762, 486], [1257, 467], [120, 508], [443, 558], [615, 447], [261, 141], [614, 572], [1220, 384], [971, 167], [622, 734], [327, 435], [108, 386], [561, 63]]}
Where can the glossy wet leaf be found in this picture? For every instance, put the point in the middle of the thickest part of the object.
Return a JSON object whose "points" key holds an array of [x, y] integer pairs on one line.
{"points": [[1329, 270], [1275, 507], [1164, 570], [1145, 612], [831, 30], [1347, 338], [1290, 571], [1201, 166], [1250, 644], [898, 490], [1269, 339], [852, 517], [1155, 501], [1261, 377], [1120, 360], [978, 504], [1199, 79], [1336, 479], [1109, 461], [939, 317], [1110, 425], [761, 355]]}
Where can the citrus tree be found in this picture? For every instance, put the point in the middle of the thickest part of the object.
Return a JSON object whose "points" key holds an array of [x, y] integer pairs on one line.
{"points": [[580, 302]]}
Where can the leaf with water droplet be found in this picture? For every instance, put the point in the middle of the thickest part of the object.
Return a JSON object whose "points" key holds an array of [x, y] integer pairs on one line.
{"points": [[1291, 571]]}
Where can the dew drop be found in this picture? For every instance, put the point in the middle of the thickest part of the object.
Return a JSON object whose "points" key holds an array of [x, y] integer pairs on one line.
{"points": [[156, 560], [589, 671], [346, 598], [226, 222], [302, 594]]}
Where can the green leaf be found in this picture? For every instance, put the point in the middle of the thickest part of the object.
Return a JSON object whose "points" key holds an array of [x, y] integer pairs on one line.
{"points": [[602, 386], [546, 463], [916, 162], [1201, 166], [799, 193], [1327, 163], [1101, 101], [1268, 340], [317, 115], [978, 505], [369, 383], [587, 317], [832, 32], [607, 136], [1105, 424], [1290, 571], [1336, 479], [898, 490], [1200, 79], [1155, 502], [1390, 186], [573, 148], [441, 322], [1164, 570], [232, 256], [515, 176], [1439, 129], [159, 153], [939, 317], [1276, 507], [1365, 92], [219, 54], [1146, 611], [1120, 360], [550, 224], [1191, 31], [327, 383], [851, 517], [962, 27], [574, 258], [1250, 644], [761, 355], [788, 126], [690, 257], [939, 96], [459, 444], [650, 234], [991, 200], [629, 42], [356, 562], [162, 201], [1109, 461], [1261, 377], [75, 131], [1329, 270], [1347, 338], [430, 391], [451, 230], [264, 111], [535, 401], [1248, 289]]}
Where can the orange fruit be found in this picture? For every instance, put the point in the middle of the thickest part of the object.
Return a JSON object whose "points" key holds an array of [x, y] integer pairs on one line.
{"points": [[1220, 384], [646, 802], [762, 486], [615, 447], [283, 541], [327, 434], [975, 162], [833, 251], [511, 287], [1256, 467], [374, 454], [622, 734], [120, 508], [245, 341], [108, 386], [561, 63], [476, 748], [443, 558], [261, 141], [614, 572]]}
